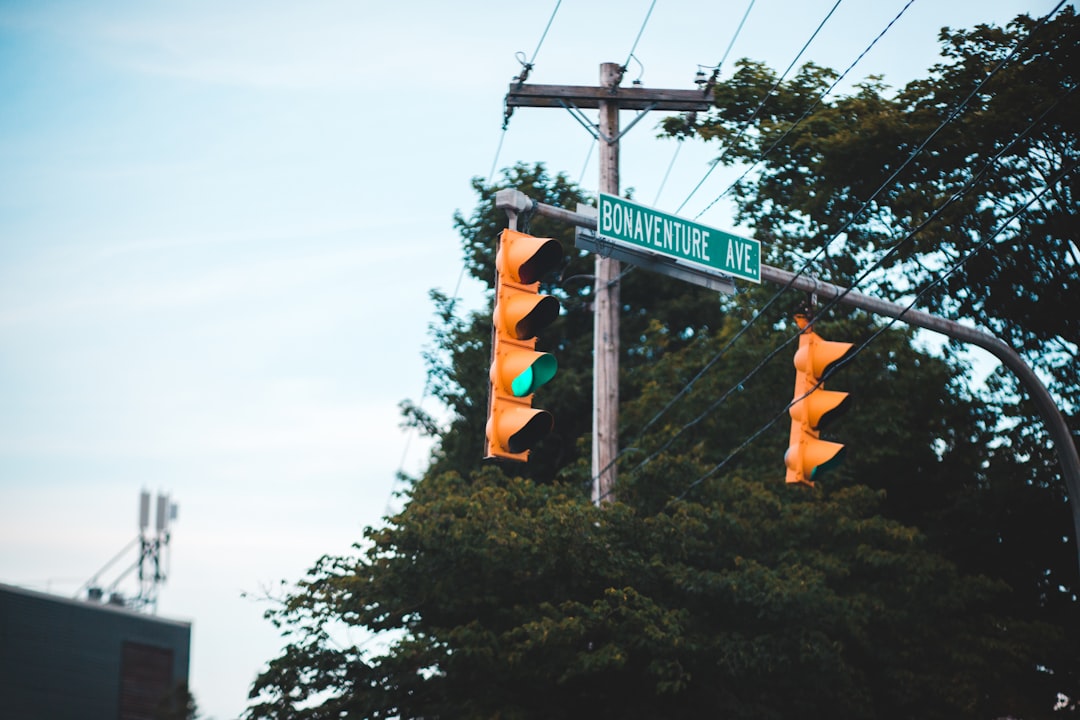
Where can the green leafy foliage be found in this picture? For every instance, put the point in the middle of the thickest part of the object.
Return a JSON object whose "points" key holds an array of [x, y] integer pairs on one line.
{"points": [[941, 175], [458, 365], [522, 600], [940, 166], [930, 576]]}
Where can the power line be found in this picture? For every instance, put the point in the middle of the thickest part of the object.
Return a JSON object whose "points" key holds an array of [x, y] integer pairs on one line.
{"points": [[806, 113], [663, 182], [498, 150], [760, 106], [638, 38], [961, 192], [622, 69], [521, 77], [717, 357], [892, 251], [956, 266], [774, 297], [588, 156], [526, 68], [707, 86], [716, 70], [969, 185], [400, 474], [543, 35], [922, 145], [735, 37], [888, 182], [723, 350]]}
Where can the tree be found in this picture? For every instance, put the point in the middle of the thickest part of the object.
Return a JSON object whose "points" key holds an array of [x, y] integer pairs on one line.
{"points": [[921, 180], [503, 596], [972, 170], [711, 588], [179, 704]]}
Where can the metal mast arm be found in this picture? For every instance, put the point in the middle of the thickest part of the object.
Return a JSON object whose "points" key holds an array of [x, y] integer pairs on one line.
{"points": [[1064, 445]]}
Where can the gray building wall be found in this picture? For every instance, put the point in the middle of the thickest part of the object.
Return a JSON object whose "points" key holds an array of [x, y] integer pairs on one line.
{"points": [[64, 659]]}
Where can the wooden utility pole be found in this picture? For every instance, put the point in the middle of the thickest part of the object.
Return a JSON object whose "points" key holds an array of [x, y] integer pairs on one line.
{"points": [[609, 99], [605, 444]]}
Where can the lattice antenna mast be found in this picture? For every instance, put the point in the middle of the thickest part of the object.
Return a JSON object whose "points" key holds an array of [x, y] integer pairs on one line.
{"points": [[153, 548], [151, 565]]}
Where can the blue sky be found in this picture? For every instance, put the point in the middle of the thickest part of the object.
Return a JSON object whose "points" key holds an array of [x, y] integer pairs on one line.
{"points": [[219, 223]]}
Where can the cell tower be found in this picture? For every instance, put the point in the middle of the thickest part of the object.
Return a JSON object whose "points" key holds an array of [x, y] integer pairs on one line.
{"points": [[152, 562]]}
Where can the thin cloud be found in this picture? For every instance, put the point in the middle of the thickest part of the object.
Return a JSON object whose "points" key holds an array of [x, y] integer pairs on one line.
{"points": [[244, 275], [318, 47]]}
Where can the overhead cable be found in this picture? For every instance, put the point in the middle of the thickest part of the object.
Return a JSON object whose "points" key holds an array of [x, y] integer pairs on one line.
{"points": [[953, 268], [633, 47], [706, 87], [527, 66], [716, 70], [806, 113], [760, 106], [892, 250], [926, 141], [686, 389], [521, 77], [918, 150]]}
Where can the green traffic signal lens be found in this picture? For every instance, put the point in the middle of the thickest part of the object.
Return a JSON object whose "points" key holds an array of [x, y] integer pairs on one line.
{"points": [[537, 374], [522, 384]]}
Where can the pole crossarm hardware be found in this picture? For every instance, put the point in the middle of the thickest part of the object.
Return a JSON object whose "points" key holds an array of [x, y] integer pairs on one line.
{"points": [[593, 130], [515, 201], [632, 98]]}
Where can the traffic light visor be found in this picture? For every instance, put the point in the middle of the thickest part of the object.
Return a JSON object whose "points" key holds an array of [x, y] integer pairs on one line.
{"points": [[810, 457], [524, 314], [817, 356], [820, 408], [525, 259], [517, 428], [835, 460]]}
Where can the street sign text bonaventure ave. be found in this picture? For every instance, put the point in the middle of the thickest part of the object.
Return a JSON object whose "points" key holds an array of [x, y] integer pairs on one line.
{"points": [[625, 222]]}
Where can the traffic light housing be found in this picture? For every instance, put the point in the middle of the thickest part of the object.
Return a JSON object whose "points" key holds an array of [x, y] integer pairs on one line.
{"points": [[814, 407], [517, 370]]}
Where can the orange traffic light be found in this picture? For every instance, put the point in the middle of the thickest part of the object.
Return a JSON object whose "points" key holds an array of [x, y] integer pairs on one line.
{"points": [[814, 407], [517, 370]]}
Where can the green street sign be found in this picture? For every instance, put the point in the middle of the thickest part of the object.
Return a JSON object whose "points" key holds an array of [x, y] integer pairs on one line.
{"points": [[628, 223]]}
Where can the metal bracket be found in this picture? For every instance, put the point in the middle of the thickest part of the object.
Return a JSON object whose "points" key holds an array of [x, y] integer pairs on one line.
{"points": [[576, 113], [594, 129], [645, 260]]}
